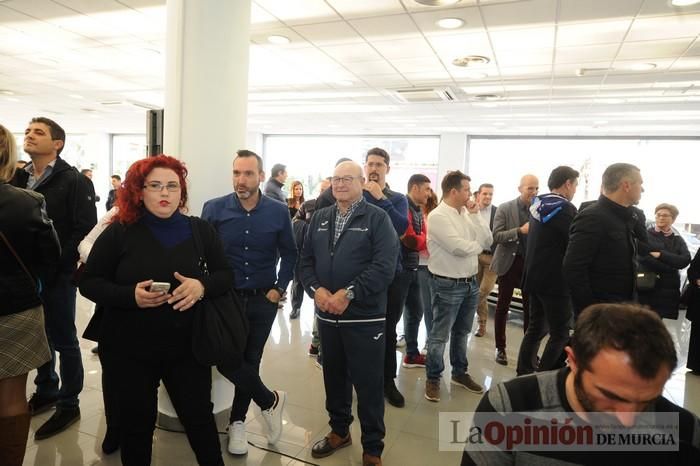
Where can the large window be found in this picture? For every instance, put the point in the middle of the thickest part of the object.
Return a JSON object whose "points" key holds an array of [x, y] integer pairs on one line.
{"points": [[127, 149], [312, 158]]}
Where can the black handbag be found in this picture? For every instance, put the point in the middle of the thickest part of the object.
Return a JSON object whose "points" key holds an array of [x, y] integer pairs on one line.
{"points": [[646, 281], [220, 326]]}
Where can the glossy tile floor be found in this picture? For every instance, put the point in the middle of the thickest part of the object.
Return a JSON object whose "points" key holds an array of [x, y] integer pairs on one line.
{"points": [[411, 432]]}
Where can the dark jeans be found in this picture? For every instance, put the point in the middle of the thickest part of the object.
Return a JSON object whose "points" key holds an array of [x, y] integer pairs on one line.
{"points": [[551, 314], [396, 298], [453, 314], [297, 287], [413, 313], [261, 315], [426, 294], [506, 284], [59, 315], [352, 357], [110, 387], [189, 387]]}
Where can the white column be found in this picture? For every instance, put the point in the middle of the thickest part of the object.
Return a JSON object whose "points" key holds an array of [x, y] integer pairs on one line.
{"points": [[453, 155], [206, 91]]}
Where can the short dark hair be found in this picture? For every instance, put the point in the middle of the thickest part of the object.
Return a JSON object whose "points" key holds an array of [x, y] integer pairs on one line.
{"points": [[631, 328], [277, 169], [57, 133], [85, 170], [482, 186], [613, 175], [378, 151], [418, 178], [453, 180], [560, 176], [250, 153], [117, 177]]}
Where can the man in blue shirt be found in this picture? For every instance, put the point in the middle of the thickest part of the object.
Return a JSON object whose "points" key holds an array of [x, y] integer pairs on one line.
{"points": [[255, 231]]}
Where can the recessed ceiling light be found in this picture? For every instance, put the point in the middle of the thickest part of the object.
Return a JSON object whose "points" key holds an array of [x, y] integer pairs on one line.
{"points": [[450, 23], [471, 60], [344, 82], [684, 2], [643, 66], [437, 2], [6, 92], [280, 40]]}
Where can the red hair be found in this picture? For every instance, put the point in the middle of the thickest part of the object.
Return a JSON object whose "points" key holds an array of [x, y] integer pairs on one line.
{"points": [[129, 197]]}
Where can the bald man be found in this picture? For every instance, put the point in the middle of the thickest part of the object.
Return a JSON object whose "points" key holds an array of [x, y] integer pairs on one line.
{"points": [[510, 228], [347, 263]]}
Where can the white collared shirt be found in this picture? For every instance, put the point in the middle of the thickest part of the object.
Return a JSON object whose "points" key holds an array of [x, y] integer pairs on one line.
{"points": [[455, 240], [486, 214]]}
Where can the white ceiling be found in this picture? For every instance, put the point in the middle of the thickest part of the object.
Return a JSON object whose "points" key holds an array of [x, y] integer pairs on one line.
{"points": [[67, 58]]}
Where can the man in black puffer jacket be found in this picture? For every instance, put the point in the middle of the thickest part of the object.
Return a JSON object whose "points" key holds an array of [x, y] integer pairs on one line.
{"points": [[600, 261], [70, 204]]}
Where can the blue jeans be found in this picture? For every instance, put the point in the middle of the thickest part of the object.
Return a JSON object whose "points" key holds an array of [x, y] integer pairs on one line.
{"points": [[454, 306], [59, 314], [413, 313], [261, 315], [426, 294]]}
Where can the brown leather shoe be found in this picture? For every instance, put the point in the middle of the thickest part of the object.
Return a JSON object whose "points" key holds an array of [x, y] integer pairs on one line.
{"points": [[369, 460], [482, 331], [329, 444]]}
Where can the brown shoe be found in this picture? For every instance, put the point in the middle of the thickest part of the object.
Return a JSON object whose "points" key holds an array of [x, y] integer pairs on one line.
{"points": [[369, 460], [466, 381], [482, 330], [501, 357], [329, 444], [432, 390]]}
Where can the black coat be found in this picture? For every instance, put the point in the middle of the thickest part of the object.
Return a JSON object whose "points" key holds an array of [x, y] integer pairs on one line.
{"points": [[70, 203], [546, 245], [600, 261], [664, 298], [31, 234]]}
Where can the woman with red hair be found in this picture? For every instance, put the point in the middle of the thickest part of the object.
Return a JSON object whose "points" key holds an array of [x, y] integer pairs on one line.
{"points": [[148, 332]]}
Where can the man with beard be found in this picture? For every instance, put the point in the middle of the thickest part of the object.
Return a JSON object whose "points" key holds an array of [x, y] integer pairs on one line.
{"points": [[256, 231], [620, 358]]}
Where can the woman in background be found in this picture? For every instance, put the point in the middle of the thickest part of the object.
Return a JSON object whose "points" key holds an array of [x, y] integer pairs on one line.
{"points": [[23, 344], [294, 203]]}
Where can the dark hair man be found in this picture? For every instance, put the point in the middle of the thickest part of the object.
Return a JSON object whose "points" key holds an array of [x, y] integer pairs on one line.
{"points": [[620, 358], [413, 242], [273, 187], [485, 276], [349, 258], [256, 233], [600, 260], [116, 182], [510, 229], [456, 236], [70, 205], [550, 303]]}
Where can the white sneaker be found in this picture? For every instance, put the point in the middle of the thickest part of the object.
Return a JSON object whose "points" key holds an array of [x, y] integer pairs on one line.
{"points": [[237, 438], [424, 351], [273, 418], [401, 341]]}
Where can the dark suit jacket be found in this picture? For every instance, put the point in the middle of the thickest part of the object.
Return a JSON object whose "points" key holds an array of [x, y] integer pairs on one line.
{"points": [[546, 246]]}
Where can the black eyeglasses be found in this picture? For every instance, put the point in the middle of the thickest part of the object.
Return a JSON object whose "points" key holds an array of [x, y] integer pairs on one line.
{"points": [[343, 179], [157, 186]]}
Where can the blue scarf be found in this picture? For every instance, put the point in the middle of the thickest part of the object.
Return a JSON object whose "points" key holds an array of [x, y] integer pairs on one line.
{"points": [[169, 231]]}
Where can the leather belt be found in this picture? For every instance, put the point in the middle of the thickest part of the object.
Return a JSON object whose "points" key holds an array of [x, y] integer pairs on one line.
{"points": [[457, 280], [252, 291]]}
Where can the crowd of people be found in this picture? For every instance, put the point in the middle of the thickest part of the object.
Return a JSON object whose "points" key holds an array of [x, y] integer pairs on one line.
{"points": [[596, 280]]}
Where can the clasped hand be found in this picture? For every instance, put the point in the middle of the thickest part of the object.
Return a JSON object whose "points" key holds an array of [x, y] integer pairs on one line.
{"points": [[332, 303], [183, 297]]}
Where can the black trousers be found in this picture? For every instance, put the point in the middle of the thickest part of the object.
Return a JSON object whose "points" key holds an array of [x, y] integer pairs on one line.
{"points": [[297, 287], [110, 387], [352, 357], [189, 386], [396, 298]]}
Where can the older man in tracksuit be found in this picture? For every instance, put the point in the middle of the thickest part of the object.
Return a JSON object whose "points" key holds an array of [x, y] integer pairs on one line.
{"points": [[347, 262]]}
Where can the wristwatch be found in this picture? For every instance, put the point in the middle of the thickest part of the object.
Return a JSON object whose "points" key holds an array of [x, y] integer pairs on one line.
{"points": [[280, 290], [350, 294]]}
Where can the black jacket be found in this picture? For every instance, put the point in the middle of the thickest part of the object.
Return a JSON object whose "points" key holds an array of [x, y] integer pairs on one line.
{"points": [[111, 198], [546, 246], [364, 257], [30, 232], [70, 204], [410, 257], [665, 297], [600, 260]]}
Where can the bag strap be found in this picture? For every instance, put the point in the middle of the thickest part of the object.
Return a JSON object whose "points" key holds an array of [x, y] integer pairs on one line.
{"points": [[19, 260], [197, 239]]}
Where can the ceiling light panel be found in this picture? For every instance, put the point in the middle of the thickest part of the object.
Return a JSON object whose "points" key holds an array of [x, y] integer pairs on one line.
{"points": [[576, 11], [651, 50], [385, 27], [299, 11], [592, 33], [295, 40], [427, 20], [450, 23]]}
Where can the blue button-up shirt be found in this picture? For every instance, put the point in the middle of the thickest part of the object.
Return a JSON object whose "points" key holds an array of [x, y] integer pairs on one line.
{"points": [[254, 240]]}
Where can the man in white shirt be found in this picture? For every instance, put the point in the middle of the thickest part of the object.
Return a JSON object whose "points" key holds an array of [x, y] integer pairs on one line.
{"points": [[456, 237], [487, 278]]}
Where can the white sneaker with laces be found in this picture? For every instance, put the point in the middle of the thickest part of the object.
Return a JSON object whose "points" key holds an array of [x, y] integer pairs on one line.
{"points": [[401, 341], [273, 418], [237, 438]]}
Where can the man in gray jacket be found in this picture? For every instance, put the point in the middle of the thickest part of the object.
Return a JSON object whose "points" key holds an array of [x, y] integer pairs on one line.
{"points": [[510, 228], [273, 187]]}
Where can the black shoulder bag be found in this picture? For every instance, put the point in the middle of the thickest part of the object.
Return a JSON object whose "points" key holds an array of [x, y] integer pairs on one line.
{"points": [[220, 326]]}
